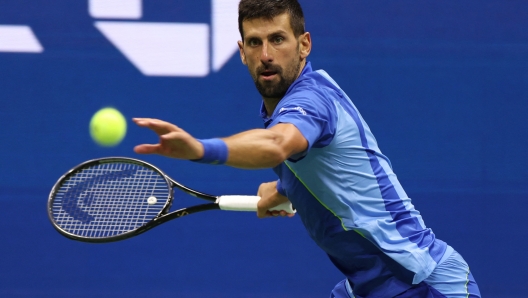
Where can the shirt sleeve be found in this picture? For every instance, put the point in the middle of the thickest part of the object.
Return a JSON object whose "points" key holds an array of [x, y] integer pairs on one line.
{"points": [[280, 189], [315, 117]]}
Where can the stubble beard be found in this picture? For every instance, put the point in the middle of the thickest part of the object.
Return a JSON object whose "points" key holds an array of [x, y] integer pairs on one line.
{"points": [[272, 89]]}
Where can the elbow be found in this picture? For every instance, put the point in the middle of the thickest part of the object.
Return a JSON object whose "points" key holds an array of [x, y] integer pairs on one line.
{"points": [[277, 157], [278, 152]]}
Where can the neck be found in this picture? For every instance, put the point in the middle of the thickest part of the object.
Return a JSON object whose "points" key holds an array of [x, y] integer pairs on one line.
{"points": [[270, 102]]}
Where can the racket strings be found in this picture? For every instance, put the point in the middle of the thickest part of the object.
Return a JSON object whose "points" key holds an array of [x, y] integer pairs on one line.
{"points": [[110, 199]]}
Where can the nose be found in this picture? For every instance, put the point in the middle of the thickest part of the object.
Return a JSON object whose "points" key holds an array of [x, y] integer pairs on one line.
{"points": [[266, 56]]}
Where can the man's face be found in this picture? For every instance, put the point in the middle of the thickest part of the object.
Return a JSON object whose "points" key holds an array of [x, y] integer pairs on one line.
{"points": [[272, 54]]}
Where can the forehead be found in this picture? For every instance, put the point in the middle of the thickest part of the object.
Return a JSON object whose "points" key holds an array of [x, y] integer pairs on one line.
{"points": [[264, 26]]}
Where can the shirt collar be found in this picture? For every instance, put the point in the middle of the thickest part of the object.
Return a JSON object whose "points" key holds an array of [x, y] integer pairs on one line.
{"points": [[263, 113]]}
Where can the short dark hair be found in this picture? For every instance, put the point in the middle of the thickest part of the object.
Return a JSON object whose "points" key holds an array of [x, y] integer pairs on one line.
{"points": [[254, 9]]}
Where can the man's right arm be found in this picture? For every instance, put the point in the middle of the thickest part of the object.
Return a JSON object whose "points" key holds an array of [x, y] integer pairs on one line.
{"points": [[264, 148], [252, 149]]}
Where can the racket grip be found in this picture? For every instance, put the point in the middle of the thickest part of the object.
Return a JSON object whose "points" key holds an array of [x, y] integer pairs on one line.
{"points": [[248, 203]]}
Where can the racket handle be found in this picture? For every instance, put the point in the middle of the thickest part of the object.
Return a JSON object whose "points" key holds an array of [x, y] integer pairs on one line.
{"points": [[248, 203]]}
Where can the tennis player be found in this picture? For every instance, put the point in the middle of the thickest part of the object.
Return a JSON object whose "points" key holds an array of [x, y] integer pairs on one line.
{"points": [[329, 166]]}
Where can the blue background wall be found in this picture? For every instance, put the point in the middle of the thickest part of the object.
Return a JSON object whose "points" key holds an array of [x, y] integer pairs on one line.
{"points": [[443, 86]]}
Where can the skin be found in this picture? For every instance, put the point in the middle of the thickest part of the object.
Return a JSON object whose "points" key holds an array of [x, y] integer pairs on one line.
{"points": [[275, 58], [268, 44]]}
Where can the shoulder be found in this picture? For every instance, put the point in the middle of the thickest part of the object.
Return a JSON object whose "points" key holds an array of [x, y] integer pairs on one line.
{"points": [[311, 92]]}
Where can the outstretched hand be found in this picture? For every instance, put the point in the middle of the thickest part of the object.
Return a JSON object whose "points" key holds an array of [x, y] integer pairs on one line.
{"points": [[173, 141]]}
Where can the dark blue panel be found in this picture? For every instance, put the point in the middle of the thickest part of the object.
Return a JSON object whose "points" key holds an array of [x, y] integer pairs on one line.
{"points": [[442, 85]]}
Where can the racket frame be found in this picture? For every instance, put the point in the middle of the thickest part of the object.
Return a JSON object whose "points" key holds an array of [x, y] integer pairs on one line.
{"points": [[163, 215], [233, 203]]}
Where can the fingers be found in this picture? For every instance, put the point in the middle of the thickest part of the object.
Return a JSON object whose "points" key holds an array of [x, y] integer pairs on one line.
{"points": [[147, 149], [174, 141], [264, 203], [173, 136], [270, 198], [263, 212], [158, 126], [281, 213]]}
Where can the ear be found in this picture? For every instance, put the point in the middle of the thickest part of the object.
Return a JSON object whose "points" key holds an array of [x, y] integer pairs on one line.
{"points": [[305, 45], [241, 50]]}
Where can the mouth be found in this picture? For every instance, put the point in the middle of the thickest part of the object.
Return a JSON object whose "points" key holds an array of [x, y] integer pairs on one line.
{"points": [[268, 75]]}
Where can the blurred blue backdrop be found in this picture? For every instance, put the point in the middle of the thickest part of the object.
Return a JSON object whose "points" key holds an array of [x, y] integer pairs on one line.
{"points": [[443, 86]]}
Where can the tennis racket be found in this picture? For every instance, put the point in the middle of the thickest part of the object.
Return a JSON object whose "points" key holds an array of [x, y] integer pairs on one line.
{"points": [[115, 198]]}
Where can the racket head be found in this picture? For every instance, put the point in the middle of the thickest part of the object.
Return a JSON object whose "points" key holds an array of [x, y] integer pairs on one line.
{"points": [[108, 199]]}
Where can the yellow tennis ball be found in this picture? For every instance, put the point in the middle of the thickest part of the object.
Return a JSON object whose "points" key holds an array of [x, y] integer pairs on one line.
{"points": [[108, 127]]}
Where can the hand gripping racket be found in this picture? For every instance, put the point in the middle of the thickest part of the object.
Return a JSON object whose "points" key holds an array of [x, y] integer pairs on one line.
{"points": [[115, 198]]}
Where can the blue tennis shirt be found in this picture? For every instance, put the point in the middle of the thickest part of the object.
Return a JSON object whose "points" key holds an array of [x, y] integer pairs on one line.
{"points": [[346, 193]]}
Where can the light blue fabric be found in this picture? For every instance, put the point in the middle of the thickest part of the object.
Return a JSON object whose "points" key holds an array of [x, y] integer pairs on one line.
{"points": [[345, 171], [452, 277]]}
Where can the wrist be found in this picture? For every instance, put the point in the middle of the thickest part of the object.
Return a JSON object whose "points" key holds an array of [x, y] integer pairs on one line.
{"points": [[215, 152]]}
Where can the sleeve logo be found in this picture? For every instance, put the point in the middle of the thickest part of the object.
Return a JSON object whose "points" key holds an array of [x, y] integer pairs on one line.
{"points": [[296, 108]]}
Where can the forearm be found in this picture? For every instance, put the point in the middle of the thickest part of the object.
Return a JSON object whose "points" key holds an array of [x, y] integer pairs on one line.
{"points": [[256, 149], [252, 149]]}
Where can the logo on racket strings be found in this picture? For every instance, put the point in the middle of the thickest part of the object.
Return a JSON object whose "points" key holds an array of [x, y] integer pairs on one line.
{"points": [[79, 196]]}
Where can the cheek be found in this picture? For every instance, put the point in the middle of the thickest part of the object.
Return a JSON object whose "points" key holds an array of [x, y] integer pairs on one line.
{"points": [[252, 62], [251, 59], [252, 67], [287, 56]]}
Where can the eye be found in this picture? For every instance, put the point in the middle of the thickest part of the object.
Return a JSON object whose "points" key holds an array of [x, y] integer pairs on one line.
{"points": [[253, 42], [278, 39]]}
